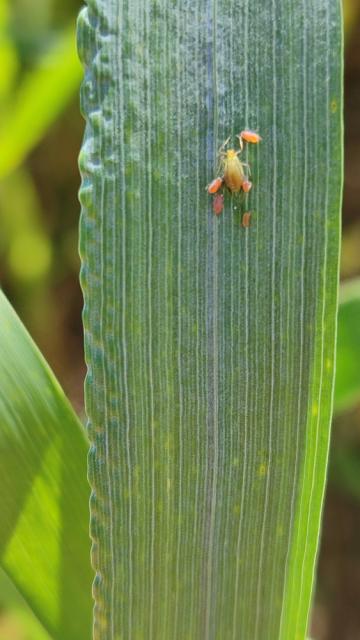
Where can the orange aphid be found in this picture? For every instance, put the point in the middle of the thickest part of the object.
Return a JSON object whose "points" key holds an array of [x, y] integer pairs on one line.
{"points": [[218, 203], [246, 219], [215, 185], [250, 136], [246, 185]]}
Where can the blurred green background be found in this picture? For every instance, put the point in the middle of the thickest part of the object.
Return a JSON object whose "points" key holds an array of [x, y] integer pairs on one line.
{"points": [[40, 136]]}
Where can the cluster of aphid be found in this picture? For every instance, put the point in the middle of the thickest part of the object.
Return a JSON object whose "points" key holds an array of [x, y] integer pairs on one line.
{"points": [[233, 174]]}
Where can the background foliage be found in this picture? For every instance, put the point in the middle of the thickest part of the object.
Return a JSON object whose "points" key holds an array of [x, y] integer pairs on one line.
{"points": [[39, 271]]}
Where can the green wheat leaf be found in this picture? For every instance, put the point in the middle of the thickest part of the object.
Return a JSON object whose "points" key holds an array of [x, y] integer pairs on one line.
{"points": [[210, 348]]}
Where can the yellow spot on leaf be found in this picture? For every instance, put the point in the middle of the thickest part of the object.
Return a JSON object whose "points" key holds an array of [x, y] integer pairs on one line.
{"points": [[168, 444], [262, 469], [315, 409]]}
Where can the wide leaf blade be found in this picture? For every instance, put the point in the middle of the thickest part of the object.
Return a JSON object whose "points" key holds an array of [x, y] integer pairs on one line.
{"points": [[210, 348]]}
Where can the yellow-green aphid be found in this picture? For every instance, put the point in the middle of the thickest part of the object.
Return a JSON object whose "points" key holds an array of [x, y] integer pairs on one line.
{"points": [[233, 171]]}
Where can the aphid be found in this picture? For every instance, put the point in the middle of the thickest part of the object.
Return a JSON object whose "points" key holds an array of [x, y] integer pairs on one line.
{"points": [[250, 136], [215, 185], [233, 169], [246, 185], [218, 203], [246, 219]]}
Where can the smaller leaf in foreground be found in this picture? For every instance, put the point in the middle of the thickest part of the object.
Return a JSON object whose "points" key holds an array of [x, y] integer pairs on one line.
{"points": [[44, 544]]}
